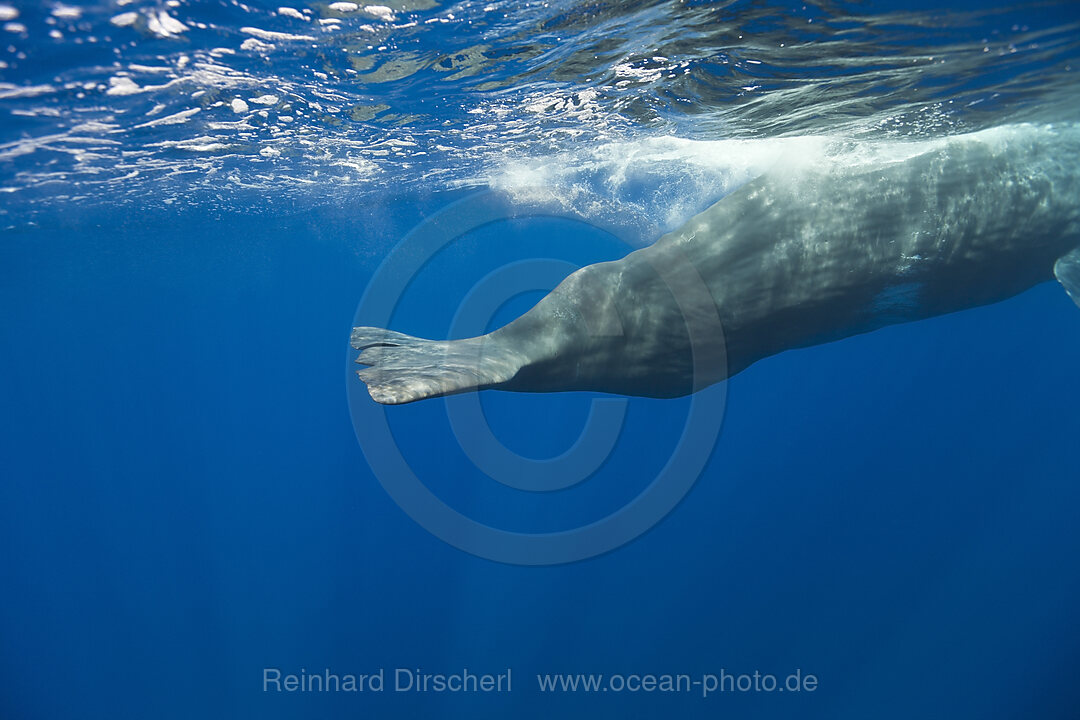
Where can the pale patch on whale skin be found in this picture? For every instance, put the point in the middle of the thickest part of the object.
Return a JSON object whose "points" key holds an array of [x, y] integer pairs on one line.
{"points": [[802, 255], [1067, 271]]}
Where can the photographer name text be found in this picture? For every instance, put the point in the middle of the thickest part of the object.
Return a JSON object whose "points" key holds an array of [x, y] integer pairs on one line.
{"points": [[382, 679]]}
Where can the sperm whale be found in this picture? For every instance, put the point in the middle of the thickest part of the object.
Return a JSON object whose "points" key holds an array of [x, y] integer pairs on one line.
{"points": [[804, 254]]}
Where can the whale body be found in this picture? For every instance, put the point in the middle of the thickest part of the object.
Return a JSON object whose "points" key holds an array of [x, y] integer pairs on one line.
{"points": [[809, 252]]}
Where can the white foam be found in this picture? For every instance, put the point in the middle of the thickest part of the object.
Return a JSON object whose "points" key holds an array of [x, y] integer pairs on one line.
{"points": [[203, 143], [344, 7], [136, 67], [8, 13], [232, 126], [238, 106], [272, 36], [380, 11], [668, 179], [175, 119], [67, 12], [9, 91], [121, 85], [291, 12], [164, 25], [95, 126], [256, 45]]}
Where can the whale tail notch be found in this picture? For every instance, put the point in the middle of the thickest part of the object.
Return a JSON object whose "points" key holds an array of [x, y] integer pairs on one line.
{"points": [[401, 368]]}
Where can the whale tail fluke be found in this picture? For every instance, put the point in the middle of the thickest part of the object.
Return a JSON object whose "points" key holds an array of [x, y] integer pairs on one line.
{"points": [[402, 368]]}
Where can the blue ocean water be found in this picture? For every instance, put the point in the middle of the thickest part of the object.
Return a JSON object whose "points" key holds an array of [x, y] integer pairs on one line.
{"points": [[195, 197]]}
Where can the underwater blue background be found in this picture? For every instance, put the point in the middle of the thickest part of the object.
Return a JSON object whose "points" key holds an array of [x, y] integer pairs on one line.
{"points": [[185, 504], [184, 501]]}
